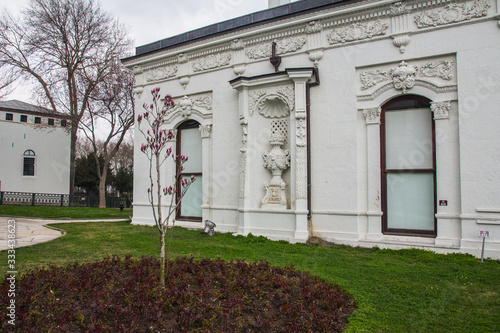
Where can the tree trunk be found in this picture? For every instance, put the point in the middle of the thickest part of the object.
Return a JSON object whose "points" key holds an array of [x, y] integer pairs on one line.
{"points": [[162, 258], [102, 191]]}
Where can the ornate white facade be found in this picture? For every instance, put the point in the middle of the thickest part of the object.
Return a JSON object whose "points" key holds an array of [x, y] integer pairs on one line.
{"points": [[348, 70]]}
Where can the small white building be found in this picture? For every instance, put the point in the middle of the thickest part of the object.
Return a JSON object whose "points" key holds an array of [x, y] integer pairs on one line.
{"points": [[35, 149], [368, 123]]}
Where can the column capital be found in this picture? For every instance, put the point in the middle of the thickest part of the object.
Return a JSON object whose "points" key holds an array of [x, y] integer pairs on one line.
{"points": [[205, 130], [441, 110], [372, 115]]}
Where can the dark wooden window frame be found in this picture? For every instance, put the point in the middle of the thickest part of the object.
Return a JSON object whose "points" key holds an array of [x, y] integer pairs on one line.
{"points": [[9, 116], [29, 155], [420, 102], [185, 125], [23, 118]]}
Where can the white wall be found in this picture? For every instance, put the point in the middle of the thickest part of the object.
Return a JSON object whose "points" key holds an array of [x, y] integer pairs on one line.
{"points": [[51, 145]]}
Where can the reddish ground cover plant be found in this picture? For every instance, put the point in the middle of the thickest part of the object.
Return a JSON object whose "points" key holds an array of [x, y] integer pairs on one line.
{"points": [[124, 295]]}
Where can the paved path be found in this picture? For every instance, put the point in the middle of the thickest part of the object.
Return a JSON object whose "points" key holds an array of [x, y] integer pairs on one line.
{"points": [[30, 231]]}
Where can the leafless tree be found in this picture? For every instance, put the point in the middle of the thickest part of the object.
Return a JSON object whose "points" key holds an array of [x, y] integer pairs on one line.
{"points": [[111, 109], [66, 47]]}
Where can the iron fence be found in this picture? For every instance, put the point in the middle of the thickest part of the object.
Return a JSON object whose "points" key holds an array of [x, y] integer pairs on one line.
{"points": [[62, 200]]}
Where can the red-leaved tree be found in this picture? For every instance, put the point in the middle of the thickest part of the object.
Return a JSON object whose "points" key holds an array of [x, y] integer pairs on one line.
{"points": [[158, 150]]}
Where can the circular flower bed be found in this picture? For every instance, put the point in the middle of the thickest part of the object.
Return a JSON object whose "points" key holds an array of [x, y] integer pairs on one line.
{"points": [[116, 295]]}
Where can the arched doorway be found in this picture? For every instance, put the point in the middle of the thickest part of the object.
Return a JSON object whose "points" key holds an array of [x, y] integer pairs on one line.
{"points": [[408, 167]]}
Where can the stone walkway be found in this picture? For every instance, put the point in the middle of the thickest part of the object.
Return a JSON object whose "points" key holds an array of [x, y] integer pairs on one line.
{"points": [[30, 231]]}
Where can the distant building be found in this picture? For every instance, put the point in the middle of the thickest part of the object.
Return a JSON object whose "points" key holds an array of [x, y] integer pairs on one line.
{"points": [[34, 149], [368, 123]]}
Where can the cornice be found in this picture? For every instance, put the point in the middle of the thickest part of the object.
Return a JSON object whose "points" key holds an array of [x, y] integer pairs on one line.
{"points": [[315, 32]]}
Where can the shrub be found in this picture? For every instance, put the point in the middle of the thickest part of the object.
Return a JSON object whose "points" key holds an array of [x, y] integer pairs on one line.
{"points": [[116, 295]]}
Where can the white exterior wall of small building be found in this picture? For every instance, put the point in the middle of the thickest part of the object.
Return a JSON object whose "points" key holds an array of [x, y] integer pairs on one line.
{"points": [[344, 140], [51, 145]]}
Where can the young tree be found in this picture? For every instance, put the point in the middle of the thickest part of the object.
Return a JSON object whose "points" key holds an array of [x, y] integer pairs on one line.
{"points": [[66, 47], [111, 108], [158, 150]]}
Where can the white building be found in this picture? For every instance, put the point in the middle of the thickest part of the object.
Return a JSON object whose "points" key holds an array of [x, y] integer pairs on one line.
{"points": [[35, 149], [379, 126]]}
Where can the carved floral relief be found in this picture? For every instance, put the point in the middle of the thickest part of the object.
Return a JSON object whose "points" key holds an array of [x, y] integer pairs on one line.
{"points": [[452, 13], [161, 73], [441, 69], [370, 79], [286, 45], [357, 31], [211, 61], [403, 76]]}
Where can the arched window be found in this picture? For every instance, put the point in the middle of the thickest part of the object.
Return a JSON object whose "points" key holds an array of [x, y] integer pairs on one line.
{"points": [[408, 167], [29, 163], [189, 144]]}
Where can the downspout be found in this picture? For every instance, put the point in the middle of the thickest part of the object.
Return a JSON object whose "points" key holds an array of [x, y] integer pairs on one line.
{"points": [[308, 131]]}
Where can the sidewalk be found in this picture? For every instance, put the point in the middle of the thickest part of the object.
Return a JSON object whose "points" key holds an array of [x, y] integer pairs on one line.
{"points": [[31, 231]]}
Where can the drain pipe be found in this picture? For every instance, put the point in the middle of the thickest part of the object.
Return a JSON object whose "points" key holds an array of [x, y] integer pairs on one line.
{"points": [[308, 131]]}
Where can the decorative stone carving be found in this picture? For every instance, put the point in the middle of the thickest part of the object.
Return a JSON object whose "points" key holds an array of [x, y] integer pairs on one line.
{"points": [[211, 61], [399, 8], [313, 27], [185, 106], [276, 160], [357, 31], [370, 79], [203, 102], [253, 98], [403, 76], [139, 91], [440, 69], [401, 41], [237, 44], [289, 94], [301, 132], [441, 110], [315, 56], [184, 81], [161, 73], [280, 127], [244, 130], [301, 172], [182, 58], [286, 45], [273, 106], [452, 13], [372, 116], [239, 69], [205, 130], [243, 172]]}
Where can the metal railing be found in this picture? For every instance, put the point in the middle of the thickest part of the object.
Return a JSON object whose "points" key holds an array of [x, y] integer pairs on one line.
{"points": [[62, 200]]}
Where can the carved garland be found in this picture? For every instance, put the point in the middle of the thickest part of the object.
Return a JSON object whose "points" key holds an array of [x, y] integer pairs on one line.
{"points": [[357, 31], [452, 13], [286, 45]]}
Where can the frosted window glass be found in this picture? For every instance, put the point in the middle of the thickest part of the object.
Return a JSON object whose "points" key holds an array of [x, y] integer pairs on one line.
{"points": [[408, 137], [191, 202], [410, 201], [191, 147]]}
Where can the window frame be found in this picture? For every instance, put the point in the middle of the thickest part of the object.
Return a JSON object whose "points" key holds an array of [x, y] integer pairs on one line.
{"points": [[9, 116], [38, 120], [188, 124], [29, 154], [23, 118], [424, 104], [50, 121]]}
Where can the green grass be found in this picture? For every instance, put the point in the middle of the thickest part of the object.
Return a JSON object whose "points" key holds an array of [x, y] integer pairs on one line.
{"points": [[395, 291], [65, 212]]}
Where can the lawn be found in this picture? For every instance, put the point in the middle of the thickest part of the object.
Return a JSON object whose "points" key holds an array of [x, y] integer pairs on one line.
{"points": [[395, 291], [65, 212]]}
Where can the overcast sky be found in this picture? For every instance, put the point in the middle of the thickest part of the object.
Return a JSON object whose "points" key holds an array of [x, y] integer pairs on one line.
{"points": [[152, 20]]}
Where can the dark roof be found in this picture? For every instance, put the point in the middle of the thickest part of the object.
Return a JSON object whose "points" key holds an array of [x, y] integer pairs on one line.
{"points": [[22, 107], [242, 22]]}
